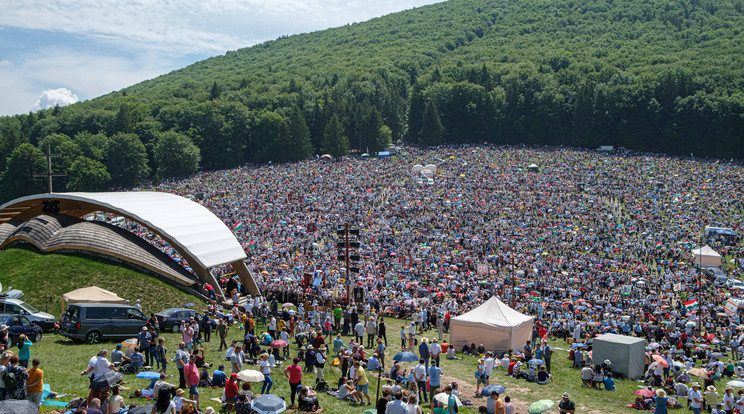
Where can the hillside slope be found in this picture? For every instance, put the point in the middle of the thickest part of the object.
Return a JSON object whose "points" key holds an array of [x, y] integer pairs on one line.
{"points": [[651, 75], [43, 278]]}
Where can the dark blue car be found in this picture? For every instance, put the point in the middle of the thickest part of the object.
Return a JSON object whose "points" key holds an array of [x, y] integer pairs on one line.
{"points": [[17, 325]]}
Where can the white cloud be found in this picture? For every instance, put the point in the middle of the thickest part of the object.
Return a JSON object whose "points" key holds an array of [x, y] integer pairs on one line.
{"points": [[55, 97], [94, 47]]}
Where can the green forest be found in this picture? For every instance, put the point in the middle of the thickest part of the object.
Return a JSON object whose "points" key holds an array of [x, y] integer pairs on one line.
{"points": [[649, 75]]}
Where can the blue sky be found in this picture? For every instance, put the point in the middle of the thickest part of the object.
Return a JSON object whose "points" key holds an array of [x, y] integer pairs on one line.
{"points": [[58, 52]]}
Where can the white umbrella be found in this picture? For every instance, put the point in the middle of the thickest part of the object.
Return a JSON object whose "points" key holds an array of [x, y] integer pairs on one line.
{"points": [[251, 375], [443, 398], [737, 384]]}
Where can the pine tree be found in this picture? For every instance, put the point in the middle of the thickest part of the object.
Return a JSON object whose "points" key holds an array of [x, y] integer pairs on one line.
{"points": [[432, 131], [335, 142]]}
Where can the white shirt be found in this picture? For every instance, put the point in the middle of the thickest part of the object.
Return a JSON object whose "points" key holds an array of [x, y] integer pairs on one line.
{"points": [[728, 401], [489, 363], [102, 366], [435, 349], [694, 395], [419, 373], [264, 366]]}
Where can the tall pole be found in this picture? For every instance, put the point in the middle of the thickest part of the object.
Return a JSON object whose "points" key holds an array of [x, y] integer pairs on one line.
{"points": [[348, 271], [49, 173]]}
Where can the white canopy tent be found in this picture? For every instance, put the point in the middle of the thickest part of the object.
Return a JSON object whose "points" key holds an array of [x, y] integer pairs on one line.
{"points": [[493, 324], [705, 256]]}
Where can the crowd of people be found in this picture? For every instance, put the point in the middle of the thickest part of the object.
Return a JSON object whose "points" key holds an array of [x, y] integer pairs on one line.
{"points": [[587, 242]]}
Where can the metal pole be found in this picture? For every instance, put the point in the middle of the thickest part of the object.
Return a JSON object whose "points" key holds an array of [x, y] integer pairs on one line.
{"points": [[379, 379], [348, 272]]}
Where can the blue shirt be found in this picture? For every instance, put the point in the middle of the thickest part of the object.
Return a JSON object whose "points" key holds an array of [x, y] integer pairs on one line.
{"points": [[434, 373], [219, 377], [373, 364], [142, 338]]}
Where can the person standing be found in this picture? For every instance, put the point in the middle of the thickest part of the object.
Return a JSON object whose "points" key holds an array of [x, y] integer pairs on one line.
{"points": [[362, 381], [161, 353], [4, 361], [191, 373], [187, 334], [143, 342], [435, 375], [152, 334], [494, 405], [35, 383], [19, 391], [236, 360], [423, 349], [435, 350], [380, 350], [419, 376], [320, 360], [24, 350], [547, 355], [661, 402], [382, 330], [182, 358], [294, 374], [402, 337], [266, 370], [222, 333], [567, 406], [696, 398]]}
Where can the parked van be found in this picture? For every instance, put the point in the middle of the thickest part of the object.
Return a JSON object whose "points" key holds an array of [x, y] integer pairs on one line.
{"points": [[18, 307], [94, 322]]}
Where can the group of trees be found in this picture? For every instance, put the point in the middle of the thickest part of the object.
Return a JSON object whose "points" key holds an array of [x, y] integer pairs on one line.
{"points": [[651, 75]]}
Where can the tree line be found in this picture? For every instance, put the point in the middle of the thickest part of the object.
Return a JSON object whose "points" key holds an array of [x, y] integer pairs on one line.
{"points": [[655, 76]]}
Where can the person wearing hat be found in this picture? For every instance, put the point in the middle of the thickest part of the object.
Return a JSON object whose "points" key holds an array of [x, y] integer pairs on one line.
{"points": [[566, 405], [696, 398], [117, 356], [729, 399], [661, 402], [711, 396], [231, 388], [424, 352], [320, 360]]}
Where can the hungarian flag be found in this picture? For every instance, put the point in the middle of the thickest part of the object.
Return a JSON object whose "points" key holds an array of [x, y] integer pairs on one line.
{"points": [[238, 225], [692, 304], [252, 245], [658, 245]]}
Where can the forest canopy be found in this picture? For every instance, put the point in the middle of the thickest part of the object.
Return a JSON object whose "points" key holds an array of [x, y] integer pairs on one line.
{"points": [[652, 75]]}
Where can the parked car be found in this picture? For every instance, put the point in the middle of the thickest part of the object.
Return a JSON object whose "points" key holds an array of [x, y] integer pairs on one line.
{"points": [[94, 322], [18, 307], [720, 281], [714, 272], [734, 284], [170, 319], [17, 325]]}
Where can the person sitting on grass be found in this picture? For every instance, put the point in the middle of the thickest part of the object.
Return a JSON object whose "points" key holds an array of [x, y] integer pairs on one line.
{"points": [[586, 376], [307, 399], [348, 392], [543, 377]]}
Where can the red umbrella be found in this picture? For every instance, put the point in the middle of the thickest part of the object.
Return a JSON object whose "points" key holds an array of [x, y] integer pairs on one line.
{"points": [[279, 343], [661, 361], [644, 392]]}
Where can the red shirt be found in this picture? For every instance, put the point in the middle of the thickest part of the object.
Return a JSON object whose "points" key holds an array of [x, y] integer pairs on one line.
{"points": [[295, 373], [191, 373], [231, 389]]}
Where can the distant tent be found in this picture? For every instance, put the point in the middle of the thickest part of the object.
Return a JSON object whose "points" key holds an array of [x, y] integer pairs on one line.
{"points": [[705, 256], [326, 157], [533, 168], [383, 154], [493, 324], [92, 294]]}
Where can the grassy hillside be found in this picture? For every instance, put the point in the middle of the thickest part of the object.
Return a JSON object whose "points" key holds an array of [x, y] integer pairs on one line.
{"points": [[43, 278], [657, 75]]}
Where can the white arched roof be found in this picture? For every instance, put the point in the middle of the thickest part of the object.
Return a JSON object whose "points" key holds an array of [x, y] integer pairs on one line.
{"points": [[194, 231]]}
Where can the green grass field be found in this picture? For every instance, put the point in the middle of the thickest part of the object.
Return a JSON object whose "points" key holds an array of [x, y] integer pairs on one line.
{"points": [[45, 276]]}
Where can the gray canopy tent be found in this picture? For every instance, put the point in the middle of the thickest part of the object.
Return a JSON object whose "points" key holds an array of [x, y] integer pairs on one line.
{"points": [[626, 353]]}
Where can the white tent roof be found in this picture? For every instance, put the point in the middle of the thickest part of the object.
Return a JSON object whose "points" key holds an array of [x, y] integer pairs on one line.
{"points": [[705, 251], [191, 228], [496, 314], [92, 294]]}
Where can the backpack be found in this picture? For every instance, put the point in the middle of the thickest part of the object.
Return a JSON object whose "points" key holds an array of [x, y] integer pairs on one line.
{"points": [[321, 387], [11, 382]]}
